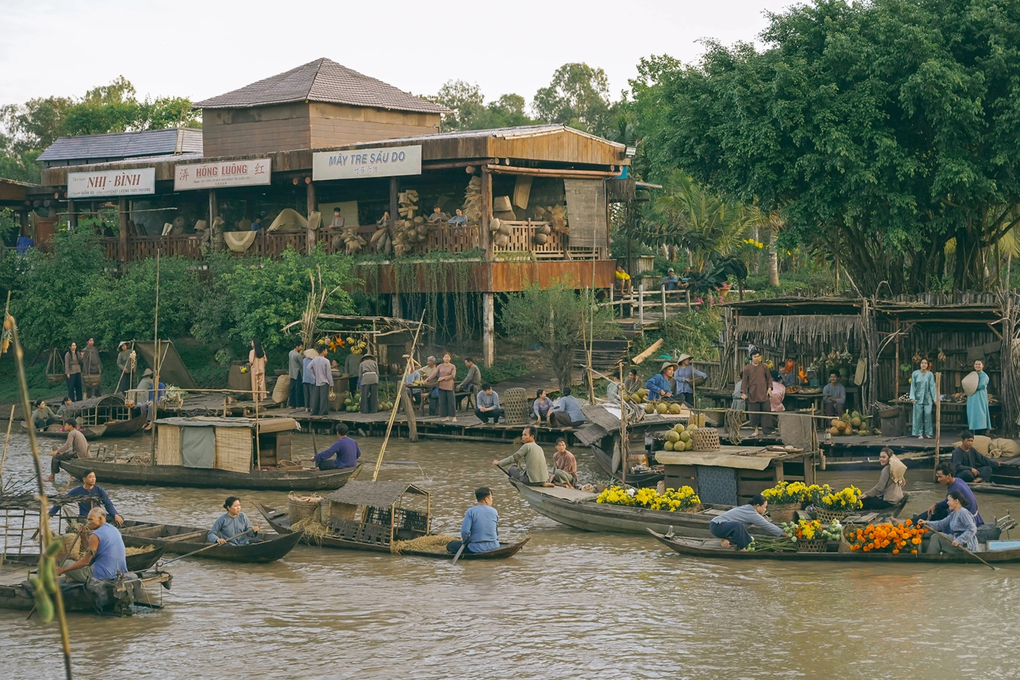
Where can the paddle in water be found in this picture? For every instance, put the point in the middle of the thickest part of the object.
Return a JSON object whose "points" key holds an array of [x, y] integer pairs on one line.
{"points": [[960, 546], [460, 550]]}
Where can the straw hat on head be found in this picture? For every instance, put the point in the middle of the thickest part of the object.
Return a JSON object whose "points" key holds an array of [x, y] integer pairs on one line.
{"points": [[667, 364], [683, 358], [368, 355], [147, 372], [311, 353], [123, 343]]}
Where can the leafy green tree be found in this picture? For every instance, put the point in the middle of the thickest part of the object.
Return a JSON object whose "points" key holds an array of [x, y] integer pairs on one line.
{"points": [[559, 319], [882, 130], [470, 112], [578, 96]]}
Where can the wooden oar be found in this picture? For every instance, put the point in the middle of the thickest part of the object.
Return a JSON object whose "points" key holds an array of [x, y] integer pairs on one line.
{"points": [[460, 550], [211, 545], [960, 546]]}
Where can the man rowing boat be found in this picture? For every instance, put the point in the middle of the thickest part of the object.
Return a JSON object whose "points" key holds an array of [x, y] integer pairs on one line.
{"points": [[479, 527]]}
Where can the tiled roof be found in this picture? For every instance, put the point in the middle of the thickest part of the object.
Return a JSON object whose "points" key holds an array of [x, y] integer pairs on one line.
{"points": [[322, 80], [120, 145]]}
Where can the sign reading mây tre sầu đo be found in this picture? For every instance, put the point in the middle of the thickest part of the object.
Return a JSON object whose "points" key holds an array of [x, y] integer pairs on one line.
{"points": [[134, 182], [223, 174], [356, 163]]}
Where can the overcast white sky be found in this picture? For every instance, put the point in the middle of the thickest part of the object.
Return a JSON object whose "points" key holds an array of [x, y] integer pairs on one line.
{"points": [[202, 49]]}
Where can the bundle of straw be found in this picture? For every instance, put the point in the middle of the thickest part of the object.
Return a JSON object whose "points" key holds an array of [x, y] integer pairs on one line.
{"points": [[433, 543]]}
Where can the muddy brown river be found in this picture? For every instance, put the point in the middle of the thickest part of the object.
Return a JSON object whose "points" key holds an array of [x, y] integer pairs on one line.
{"points": [[570, 605]]}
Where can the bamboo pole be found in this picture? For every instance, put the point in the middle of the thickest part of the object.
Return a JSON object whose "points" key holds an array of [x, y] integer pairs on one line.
{"points": [[156, 357], [396, 402], [7, 441], [44, 525], [938, 415], [624, 437], [7, 311]]}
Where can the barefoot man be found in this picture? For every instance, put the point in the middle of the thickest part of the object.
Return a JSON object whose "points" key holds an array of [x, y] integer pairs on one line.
{"points": [[733, 524]]}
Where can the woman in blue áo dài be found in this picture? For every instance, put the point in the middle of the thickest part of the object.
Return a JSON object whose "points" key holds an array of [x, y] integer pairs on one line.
{"points": [[979, 421], [922, 396]]}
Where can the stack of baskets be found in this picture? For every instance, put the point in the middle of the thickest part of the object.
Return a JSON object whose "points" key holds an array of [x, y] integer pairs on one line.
{"points": [[302, 507], [705, 439]]}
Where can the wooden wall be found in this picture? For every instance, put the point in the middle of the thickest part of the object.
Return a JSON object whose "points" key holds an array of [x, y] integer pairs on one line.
{"points": [[334, 124], [233, 132]]}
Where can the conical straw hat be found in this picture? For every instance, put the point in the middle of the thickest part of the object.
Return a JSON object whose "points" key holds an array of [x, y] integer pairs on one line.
{"points": [[970, 383]]}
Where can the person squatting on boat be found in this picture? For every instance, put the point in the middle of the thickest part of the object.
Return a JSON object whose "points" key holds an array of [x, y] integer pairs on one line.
{"points": [[231, 523], [479, 527], [732, 525], [345, 449], [105, 556], [76, 446]]}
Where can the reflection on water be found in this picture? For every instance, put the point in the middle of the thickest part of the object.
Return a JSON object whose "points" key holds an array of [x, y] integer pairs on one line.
{"points": [[571, 604]]}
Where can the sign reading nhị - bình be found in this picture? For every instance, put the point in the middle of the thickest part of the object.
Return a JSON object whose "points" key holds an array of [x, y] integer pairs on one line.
{"points": [[135, 182], [356, 163], [223, 174]]}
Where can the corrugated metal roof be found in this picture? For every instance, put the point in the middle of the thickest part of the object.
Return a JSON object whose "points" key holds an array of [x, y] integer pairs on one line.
{"points": [[322, 80], [120, 145]]}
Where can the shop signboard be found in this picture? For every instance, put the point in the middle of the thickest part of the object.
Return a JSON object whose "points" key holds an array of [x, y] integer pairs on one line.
{"points": [[222, 174], [357, 163], [134, 182]]}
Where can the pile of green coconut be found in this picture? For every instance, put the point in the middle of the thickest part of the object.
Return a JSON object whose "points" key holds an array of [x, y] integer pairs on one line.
{"points": [[678, 437]]}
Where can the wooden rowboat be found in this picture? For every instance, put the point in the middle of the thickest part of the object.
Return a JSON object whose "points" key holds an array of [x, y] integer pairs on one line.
{"points": [[281, 479], [280, 522], [121, 594], [711, 549], [116, 428], [137, 562], [180, 540], [578, 509]]}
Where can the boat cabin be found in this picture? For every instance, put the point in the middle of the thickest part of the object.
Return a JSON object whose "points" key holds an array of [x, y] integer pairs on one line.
{"points": [[378, 513], [234, 444]]}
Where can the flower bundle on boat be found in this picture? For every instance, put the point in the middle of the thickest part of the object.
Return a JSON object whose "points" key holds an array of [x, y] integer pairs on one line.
{"points": [[892, 538], [673, 500]]}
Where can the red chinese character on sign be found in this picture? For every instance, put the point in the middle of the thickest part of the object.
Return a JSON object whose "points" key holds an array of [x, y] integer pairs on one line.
{"points": [[260, 168], [184, 174]]}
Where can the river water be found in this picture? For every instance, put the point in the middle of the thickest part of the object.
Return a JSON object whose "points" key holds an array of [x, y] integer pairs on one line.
{"points": [[570, 605]]}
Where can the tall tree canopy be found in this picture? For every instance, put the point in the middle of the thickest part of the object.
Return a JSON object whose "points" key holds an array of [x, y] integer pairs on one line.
{"points": [[578, 96], [27, 129], [470, 112], [884, 130]]}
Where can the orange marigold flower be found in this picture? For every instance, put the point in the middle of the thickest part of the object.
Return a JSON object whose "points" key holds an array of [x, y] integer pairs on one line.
{"points": [[896, 551], [913, 552]]}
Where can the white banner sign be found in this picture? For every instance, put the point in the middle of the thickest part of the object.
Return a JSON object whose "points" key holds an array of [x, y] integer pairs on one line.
{"points": [[111, 183], [224, 174], [351, 164]]}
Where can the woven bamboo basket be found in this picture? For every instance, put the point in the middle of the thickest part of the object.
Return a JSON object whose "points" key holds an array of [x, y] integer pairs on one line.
{"points": [[782, 512], [705, 439], [815, 545], [515, 406], [844, 545], [302, 507], [828, 516]]}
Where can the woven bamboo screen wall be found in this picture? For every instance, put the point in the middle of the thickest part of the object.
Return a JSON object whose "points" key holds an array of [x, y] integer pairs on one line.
{"points": [[168, 449], [233, 449]]}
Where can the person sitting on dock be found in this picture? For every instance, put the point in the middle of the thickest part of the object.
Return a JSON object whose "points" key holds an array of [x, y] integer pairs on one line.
{"points": [[105, 556], [76, 446], [968, 463], [685, 376], [231, 523], [568, 412], [889, 490], [473, 381], [564, 465], [834, 397], [669, 281], [527, 464], [623, 281], [944, 476], [633, 383], [542, 407], [322, 375], [345, 449], [659, 385], [95, 496], [43, 416], [732, 525], [479, 526], [959, 525], [488, 405]]}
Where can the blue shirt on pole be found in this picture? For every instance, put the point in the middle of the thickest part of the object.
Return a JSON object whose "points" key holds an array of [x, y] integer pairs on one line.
{"points": [[346, 451], [480, 524]]}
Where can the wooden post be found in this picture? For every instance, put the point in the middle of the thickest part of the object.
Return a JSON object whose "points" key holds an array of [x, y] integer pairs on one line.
{"points": [[156, 360], [641, 304], [394, 206], [938, 415], [484, 236], [395, 306], [688, 294], [311, 206], [624, 437], [896, 392], [408, 405], [612, 308], [488, 329], [122, 214], [662, 289]]}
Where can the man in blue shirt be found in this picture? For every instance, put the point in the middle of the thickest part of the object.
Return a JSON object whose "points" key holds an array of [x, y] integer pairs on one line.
{"points": [[944, 475], [344, 448], [488, 405], [568, 412], [669, 281], [479, 527], [105, 555], [95, 496]]}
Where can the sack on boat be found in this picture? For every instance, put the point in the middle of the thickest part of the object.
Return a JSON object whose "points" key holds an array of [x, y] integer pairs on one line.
{"points": [[302, 507], [1003, 448]]}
